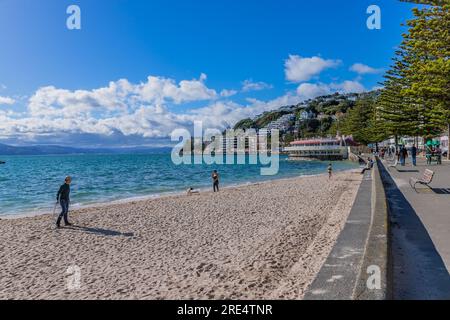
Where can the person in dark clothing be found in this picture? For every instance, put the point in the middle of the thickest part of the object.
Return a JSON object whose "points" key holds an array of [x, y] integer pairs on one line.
{"points": [[414, 155], [404, 155], [215, 178], [63, 197], [330, 171]]}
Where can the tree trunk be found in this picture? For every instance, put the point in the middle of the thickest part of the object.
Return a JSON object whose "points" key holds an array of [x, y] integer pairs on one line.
{"points": [[396, 143]]}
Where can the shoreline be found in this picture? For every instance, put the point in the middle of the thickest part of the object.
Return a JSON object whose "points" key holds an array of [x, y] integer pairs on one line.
{"points": [[145, 198]]}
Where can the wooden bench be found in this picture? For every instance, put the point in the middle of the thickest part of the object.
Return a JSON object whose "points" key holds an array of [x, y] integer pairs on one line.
{"points": [[426, 179]]}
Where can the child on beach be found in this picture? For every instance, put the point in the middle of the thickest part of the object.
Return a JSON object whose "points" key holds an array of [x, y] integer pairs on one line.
{"points": [[330, 171], [191, 191]]}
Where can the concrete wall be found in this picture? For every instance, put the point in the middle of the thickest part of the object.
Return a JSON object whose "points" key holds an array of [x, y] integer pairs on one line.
{"points": [[377, 255], [361, 254]]}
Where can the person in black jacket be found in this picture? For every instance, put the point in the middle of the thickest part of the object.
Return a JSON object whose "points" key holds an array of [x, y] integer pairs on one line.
{"points": [[215, 178], [63, 197]]}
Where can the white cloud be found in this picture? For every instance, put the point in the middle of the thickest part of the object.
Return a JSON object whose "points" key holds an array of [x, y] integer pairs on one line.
{"points": [[158, 89], [312, 90], [298, 69], [228, 93], [127, 113], [6, 100], [348, 87], [364, 69], [118, 97], [250, 85]]}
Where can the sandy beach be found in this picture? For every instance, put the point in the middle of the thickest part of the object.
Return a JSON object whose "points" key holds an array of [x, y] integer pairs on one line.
{"points": [[261, 241]]}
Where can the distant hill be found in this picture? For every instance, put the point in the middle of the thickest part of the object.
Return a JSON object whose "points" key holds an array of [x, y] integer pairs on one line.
{"points": [[60, 150], [322, 112]]}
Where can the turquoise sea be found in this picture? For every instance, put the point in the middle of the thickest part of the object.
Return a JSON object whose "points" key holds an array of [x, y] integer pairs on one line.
{"points": [[28, 184]]}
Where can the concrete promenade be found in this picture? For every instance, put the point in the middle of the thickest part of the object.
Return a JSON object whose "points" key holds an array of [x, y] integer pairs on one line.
{"points": [[339, 277], [420, 231]]}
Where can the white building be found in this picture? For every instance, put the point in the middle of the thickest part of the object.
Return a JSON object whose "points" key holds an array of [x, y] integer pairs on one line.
{"points": [[305, 115], [282, 124]]}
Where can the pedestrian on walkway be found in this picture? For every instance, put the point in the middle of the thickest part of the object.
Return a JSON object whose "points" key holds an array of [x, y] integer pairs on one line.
{"points": [[414, 155], [403, 155]]}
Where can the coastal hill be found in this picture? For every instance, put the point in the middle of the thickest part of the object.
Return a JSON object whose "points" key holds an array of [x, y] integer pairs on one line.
{"points": [[314, 117]]}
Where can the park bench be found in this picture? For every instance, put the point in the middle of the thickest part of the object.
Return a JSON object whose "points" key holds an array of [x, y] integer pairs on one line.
{"points": [[426, 179]]}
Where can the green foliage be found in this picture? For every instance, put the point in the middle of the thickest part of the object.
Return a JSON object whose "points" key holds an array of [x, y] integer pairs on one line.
{"points": [[309, 128], [416, 95], [245, 124], [363, 122], [267, 117]]}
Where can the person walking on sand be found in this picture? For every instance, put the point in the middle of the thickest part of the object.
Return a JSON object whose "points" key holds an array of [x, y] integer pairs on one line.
{"points": [[215, 178], [330, 171], [63, 197]]}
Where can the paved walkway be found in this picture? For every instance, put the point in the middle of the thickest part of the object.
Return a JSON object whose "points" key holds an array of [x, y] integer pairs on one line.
{"points": [[338, 276], [420, 231]]}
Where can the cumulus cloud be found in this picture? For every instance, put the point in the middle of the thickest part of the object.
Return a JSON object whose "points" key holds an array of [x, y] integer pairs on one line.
{"points": [[135, 113], [118, 97], [364, 69], [250, 85], [228, 93], [299, 69], [158, 89], [349, 87], [121, 109], [6, 100], [312, 90]]}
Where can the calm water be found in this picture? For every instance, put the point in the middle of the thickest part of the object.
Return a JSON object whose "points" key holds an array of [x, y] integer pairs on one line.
{"points": [[29, 183]]}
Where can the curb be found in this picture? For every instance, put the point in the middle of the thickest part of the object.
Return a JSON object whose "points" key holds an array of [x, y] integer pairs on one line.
{"points": [[377, 258], [363, 246]]}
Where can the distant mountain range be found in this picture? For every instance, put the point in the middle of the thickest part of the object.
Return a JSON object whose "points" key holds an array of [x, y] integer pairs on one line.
{"points": [[60, 150]]}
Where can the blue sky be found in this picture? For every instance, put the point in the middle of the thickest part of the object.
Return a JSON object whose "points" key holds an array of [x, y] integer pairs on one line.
{"points": [[236, 58]]}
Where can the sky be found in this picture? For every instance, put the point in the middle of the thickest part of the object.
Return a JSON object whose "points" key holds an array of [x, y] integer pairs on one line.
{"points": [[138, 70]]}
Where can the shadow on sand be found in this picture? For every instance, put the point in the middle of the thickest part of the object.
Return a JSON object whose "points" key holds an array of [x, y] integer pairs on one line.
{"points": [[418, 270], [101, 232]]}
